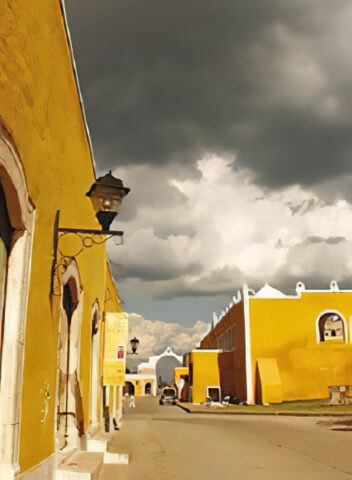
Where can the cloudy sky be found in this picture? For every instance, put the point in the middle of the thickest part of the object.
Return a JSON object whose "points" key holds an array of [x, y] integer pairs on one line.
{"points": [[231, 123]]}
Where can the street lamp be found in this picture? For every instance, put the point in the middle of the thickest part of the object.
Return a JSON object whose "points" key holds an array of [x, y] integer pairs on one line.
{"points": [[106, 195], [134, 345]]}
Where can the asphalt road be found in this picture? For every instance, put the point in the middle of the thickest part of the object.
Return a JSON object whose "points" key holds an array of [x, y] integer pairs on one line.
{"points": [[166, 443]]}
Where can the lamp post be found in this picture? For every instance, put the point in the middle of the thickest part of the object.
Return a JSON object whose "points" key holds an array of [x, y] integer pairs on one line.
{"points": [[106, 195], [134, 345]]}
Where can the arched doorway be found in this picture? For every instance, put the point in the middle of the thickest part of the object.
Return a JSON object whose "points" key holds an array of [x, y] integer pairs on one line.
{"points": [[70, 421], [148, 388], [95, 395], [6, 234], [17, 219], [130, 388], [165, 369]]}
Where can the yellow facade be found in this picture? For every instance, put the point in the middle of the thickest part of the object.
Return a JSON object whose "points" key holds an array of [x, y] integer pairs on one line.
{"points": [[180, 372], [116, 341], [139, 382], [204, 373], [284, 331], [41, 116]]}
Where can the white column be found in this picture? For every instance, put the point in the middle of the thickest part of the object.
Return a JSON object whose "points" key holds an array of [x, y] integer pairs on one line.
{"points": [[119, 404], [113, 408]]}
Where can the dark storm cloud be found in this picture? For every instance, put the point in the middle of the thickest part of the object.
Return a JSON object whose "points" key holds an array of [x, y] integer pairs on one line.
{"points": [[219, 282], [167, 81], [153, 271]]}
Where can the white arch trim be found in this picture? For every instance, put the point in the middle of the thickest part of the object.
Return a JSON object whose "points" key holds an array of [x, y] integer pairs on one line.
{"points": [[71, 271], [19, 265], [324, 312], [155, 358], [95, 396]]}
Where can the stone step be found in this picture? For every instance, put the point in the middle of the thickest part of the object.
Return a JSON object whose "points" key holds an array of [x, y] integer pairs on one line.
{"points": [[116, 458], [98, 442], [81, 466]]}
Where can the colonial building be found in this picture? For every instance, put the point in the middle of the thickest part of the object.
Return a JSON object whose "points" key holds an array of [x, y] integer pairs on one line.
{"points": [[158, 369], [54, 290], [203, 376], [275, 347]]}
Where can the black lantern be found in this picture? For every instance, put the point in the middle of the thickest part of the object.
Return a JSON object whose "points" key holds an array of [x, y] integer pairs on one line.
{"points": [[106, 195], [134, 344]]}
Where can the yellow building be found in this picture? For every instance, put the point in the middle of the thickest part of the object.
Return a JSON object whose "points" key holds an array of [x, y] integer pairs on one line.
{"points": [[204, 376], [116, 343], [180, 374], [140, 384], [51, 313], [277, 347]]}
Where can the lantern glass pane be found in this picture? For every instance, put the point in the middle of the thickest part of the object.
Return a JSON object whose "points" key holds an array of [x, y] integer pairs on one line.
{"points": [[106, 199]]}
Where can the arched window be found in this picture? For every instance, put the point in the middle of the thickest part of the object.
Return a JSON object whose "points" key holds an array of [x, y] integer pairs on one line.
{"points": [[331, 327]]}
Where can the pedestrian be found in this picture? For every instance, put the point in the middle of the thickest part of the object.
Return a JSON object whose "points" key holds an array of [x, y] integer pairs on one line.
{"points": [[132, 403]]}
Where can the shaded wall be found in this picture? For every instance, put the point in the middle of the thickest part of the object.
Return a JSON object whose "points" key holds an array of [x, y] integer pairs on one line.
{"points": [[232, 367]]}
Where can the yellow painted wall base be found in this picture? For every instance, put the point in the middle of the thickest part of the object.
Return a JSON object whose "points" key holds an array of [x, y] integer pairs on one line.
{"points": [[268, 381]]}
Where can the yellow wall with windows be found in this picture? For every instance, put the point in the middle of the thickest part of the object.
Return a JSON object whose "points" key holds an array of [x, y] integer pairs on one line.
{"points": [[40, 108], [205, 373], [284, 330]]}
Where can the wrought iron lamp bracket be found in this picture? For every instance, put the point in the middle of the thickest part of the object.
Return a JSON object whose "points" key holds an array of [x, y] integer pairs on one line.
{"points": [[88, 240]]}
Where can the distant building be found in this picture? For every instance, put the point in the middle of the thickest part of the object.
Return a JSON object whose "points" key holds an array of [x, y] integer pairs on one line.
{"points": [[156, 370], [203, 379], [115, 352], [275, 347]]}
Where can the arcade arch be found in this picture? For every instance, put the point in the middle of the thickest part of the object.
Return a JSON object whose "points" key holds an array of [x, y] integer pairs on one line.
{"points": [[70, 421], [17, 220]]}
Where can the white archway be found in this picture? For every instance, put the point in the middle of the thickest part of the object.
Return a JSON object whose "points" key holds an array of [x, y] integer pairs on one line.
{"points": [[69, 402], [21, 212], [95, 396], [335, 312], [155, 358]]}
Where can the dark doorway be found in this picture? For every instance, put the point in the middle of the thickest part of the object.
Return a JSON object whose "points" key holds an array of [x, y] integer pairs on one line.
{"points": [[130, 388]]}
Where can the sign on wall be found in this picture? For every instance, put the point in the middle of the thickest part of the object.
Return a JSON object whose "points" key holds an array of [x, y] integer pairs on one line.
{"points": [[120, 353]]}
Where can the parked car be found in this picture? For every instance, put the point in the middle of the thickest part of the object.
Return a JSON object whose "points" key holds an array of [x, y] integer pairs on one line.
{"points": [[168, 395], [231, 400]]}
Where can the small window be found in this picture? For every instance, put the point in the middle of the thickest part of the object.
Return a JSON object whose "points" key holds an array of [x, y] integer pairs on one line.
{"points": [[331, 327]]}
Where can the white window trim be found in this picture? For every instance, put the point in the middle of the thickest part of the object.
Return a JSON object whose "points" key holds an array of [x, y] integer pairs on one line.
{"points": [[324, 312], [214, 386]]}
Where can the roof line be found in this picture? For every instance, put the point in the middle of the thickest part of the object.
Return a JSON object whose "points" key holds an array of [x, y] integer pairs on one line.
{"points": [[79, 91]]}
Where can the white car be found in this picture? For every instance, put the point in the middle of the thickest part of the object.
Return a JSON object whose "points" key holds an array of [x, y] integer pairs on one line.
{"points": [[168, 395]]}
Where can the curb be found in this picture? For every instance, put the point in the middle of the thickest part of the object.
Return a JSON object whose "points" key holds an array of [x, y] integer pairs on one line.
{"points": [[287, 413]]}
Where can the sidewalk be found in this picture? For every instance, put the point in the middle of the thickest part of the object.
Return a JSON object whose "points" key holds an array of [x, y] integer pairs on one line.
{"points": [[147, 459], [294, 409]]}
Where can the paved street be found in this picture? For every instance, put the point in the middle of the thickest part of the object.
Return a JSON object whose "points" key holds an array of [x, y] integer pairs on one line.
{"points": [[167, 443]]}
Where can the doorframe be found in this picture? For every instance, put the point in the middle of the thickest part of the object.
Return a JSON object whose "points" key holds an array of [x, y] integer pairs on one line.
{"points": [[22, 216], [71, 271], [95, 369]]}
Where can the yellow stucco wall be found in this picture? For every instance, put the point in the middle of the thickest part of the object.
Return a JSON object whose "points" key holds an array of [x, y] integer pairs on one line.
{"points": [[116, 335], [180, 371], [285, 330], [39, 106], [205, 373]]}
